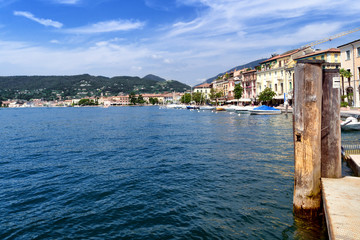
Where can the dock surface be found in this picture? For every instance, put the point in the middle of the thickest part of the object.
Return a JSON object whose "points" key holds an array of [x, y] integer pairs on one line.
{"points": [[354, 163], [341, 199]]}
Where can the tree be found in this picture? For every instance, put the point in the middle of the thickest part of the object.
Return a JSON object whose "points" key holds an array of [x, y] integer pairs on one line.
{"points": [[238, 91], [344, 74], [153, 101], [132, 98], [86, 102], [198, 98], [140, 99], [267, 95], [216, 94], [186, 98]]}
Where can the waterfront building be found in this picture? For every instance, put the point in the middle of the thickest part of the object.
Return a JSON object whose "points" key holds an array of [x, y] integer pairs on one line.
{"points": [[350, 61], [226, 85], [277, 73], [204, 89], [330, 56], [249, 85]]}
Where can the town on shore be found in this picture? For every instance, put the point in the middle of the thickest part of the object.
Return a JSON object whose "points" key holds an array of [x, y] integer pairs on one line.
{"points": [[275, 76]]}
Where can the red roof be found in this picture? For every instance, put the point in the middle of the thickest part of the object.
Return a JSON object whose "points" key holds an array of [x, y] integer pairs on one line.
{"points": [[288, 53], [204, 85]]}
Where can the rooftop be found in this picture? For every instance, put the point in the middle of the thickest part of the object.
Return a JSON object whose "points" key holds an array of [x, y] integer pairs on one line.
{"points": [[348, 43], [333, 50], [285, 54]]}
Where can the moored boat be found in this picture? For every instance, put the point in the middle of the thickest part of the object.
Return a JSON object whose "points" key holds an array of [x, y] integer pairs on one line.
{"points": [[245, 109], [207, 108], [350, 124], [220, 109], [192, 107], [265, 110]]}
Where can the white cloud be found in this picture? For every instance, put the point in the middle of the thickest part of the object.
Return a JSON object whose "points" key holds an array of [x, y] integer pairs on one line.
{"points": [[45, 22], [70, 2], [223, 34], [107, 26]]}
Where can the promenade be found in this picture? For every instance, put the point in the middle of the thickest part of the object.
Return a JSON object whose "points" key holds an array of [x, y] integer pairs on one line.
{"points": [[341, 199]]}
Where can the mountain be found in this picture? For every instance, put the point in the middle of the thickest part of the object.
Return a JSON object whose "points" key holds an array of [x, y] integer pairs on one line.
{"points": [[154, 78], [79, 86], [252, 64]]}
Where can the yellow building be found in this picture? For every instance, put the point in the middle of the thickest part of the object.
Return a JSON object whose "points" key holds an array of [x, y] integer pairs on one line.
{"points": [[204, 89], [277, 73], [330, 56]]}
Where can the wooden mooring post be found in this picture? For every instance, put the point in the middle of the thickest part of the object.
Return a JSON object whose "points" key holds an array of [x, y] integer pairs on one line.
{"points": [[307, 138], [330, 125], [317, 136]]}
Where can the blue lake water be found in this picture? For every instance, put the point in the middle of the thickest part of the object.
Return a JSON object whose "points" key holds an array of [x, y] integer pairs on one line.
{"points": [[147, 173]]}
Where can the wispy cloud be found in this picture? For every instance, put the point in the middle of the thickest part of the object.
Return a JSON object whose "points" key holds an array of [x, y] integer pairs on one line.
{"points": [[70, 2], [107, 26], [221, 35], [45, 22]]}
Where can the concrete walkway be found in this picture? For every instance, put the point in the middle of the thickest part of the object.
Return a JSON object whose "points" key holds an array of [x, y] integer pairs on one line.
{"points": [[354, 163], [341, 200]]}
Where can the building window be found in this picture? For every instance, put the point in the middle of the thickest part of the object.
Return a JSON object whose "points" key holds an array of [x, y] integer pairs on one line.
{"points": [[336, 57], [358, 51], [269, 74], [348, 55], [275, 87], [314, 58], [282, 88], [279, 63], [290, 85], [322, 57]]}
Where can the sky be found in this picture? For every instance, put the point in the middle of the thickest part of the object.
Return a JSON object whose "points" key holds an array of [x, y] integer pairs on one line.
{"points": [[184, 40]]}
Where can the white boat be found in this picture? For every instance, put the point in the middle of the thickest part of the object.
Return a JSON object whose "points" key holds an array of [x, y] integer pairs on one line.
{"points": [[350, 124], [206, 108], [230, 108], [245, 109], [265, 110]]}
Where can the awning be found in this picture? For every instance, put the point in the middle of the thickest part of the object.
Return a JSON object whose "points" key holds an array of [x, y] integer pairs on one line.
{"points": [[279, 97], [245, 100]]}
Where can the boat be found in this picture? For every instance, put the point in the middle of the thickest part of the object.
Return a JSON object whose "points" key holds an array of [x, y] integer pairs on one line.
{"points": [[220, 109], [265, 110], [206, 108], [230, 108], [245, 109], [350, 124], [192, 107]]}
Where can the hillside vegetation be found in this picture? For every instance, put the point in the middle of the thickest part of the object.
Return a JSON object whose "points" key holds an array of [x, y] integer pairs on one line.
{"points": [[78, 86]]}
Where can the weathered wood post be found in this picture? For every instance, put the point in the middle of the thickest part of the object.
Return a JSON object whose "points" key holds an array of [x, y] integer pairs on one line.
{"points": [[307, 137], [330, 125]]}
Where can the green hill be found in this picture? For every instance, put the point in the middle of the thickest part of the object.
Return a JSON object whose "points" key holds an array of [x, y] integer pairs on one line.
{"points": [[154, 77], [78, 86]]}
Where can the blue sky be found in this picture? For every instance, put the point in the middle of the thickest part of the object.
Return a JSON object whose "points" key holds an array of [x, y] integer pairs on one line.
{"points": [[185, 40]]}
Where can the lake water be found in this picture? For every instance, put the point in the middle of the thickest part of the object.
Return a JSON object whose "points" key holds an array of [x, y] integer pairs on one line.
{"points": [[147, 173]]}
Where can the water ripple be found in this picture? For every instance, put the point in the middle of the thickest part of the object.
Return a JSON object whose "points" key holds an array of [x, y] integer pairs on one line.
{"points": [[146, 173]]}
